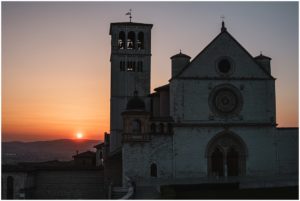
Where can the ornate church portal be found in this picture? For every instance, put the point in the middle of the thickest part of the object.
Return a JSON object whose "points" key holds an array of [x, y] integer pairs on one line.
{"points": [[226, 154]]}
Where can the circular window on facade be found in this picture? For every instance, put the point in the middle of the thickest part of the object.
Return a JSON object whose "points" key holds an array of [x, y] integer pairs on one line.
{"points": [[225, 100], [224, 66]]}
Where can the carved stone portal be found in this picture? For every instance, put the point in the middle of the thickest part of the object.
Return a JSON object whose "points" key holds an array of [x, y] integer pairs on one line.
{"points": [[226, 154]]}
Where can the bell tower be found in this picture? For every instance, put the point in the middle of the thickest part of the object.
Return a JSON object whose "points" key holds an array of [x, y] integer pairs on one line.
{"points": [[130, 71]]}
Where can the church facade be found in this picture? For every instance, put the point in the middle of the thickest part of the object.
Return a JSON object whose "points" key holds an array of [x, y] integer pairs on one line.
{"points": [[216, 118]]}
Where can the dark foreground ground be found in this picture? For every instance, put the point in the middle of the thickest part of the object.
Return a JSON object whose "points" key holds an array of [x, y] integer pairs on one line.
{"points": [[229, 191]]}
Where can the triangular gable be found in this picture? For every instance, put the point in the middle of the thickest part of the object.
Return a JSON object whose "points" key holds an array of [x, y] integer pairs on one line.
{"points": [[224, 44]]}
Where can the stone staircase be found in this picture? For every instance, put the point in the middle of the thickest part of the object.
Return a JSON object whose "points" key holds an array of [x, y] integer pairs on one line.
{"points": [[118, 192], [131, 191], [146, 193]]}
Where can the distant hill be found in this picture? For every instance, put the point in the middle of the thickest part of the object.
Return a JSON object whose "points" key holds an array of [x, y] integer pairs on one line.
{"points": [[62, 149]]}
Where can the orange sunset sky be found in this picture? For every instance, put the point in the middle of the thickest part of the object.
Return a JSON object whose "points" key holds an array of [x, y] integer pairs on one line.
{"points": [[56, 68]]}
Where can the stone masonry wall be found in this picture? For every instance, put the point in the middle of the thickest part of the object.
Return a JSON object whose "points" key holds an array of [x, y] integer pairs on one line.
{"points": [[71, 184], [287, 142], [258, 102], [139, 157], [191, 143], [19, 179]]}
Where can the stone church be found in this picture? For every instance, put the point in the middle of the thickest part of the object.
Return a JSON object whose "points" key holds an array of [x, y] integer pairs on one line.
{"points": [[214, 123], [214, 120]]}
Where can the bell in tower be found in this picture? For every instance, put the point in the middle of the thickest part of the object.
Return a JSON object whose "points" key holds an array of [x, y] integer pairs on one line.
{"points": [[130, 70]]}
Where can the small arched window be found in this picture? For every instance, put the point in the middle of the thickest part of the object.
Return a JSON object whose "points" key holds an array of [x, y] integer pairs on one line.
{"points": [[140, 42], [153, 170], [131, 40], [130, 66], [161, 127], [10, 187], [153, 128], [136, 126], [121, 40]]}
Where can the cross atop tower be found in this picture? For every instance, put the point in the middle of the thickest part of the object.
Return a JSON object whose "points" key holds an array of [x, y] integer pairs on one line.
{"points": [[222, 17], [223, 23], [129, 13]]}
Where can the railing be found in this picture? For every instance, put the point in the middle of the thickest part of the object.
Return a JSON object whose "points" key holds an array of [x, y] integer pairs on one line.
{"points": [[125, 192], [131, 189]]}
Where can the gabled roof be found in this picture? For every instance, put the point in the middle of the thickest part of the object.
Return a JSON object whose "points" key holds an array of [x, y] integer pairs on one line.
{"points": [[98, 146], [224, 31], [163, 87], [153, 94], [157, 89]]}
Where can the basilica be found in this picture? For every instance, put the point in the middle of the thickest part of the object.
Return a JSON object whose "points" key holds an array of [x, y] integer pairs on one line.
{"points": [[214, 121], [212, 127]]}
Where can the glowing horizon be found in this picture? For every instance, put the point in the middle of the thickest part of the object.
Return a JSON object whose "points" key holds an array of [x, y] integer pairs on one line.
{"points": [[56, 68]]}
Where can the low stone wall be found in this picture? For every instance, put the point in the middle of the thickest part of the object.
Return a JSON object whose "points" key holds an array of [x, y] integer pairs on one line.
{"points": [[287, 144], [73, 184], [19, 182]]}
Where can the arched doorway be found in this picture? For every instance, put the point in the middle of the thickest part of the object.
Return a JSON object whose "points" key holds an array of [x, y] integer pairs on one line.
{"points": [[217, 161], [232, 162], [153, 170], [226, 155]]}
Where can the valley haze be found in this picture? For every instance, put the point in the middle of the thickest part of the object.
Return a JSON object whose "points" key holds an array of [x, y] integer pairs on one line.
{"points": [[37, 151]]}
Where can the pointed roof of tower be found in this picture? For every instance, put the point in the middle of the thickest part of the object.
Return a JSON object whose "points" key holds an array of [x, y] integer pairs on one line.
{"points": [[261, 56], [180, 54]]}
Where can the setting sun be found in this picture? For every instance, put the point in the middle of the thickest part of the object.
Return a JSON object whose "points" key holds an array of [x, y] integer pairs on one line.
{"points": [[79, 135]]}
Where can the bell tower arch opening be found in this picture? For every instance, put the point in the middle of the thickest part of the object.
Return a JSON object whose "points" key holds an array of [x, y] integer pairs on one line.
{"points": [[140, 43], [226, 155], [131, 40], [121, 40]]}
